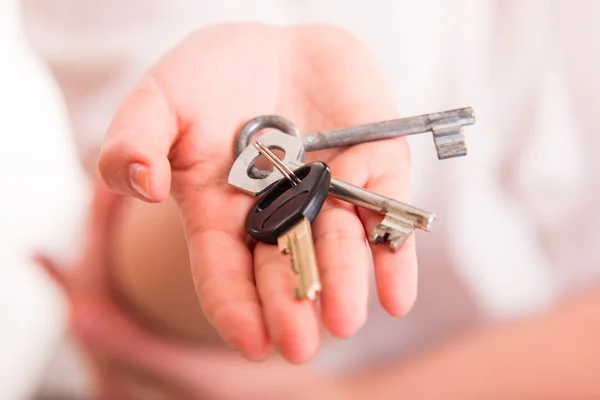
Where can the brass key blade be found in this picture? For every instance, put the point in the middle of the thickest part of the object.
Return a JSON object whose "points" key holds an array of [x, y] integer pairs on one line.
{"points": [[298, 242]]}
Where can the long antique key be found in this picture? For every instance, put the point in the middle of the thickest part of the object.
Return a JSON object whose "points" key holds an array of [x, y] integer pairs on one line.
{"points": [[283, 216], [446, 128], [399, 220]]}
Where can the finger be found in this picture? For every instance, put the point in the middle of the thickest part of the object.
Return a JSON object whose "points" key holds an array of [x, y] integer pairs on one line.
{"points": [[292, 323], [384, 167], [227, 293], [365, 101], [343, 260], [222, 268], [133, 160]]}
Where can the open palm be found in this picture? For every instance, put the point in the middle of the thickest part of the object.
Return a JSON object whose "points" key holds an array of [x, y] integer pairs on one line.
{"points": [[175, 133]]}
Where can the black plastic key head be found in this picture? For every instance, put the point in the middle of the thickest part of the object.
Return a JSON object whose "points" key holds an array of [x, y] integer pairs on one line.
{"points": [[284, 205]]}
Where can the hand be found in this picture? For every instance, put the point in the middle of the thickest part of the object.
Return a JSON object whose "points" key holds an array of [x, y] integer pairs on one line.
{"points": [[131, 363], [175, 133]]}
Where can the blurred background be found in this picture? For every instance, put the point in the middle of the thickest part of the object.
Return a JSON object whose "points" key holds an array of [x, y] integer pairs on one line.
{"points": [[518, 225]]}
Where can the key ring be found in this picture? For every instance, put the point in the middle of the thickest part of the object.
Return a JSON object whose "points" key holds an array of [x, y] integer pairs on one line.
{"points": [[253, 126], [252, 180]]}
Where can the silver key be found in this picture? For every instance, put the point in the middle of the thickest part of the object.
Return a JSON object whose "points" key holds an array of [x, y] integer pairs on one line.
{"points": [[400, 219], [446, 128]]}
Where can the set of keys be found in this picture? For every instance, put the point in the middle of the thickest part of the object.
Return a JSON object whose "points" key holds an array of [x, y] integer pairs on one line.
{"points": [[293, 192]]}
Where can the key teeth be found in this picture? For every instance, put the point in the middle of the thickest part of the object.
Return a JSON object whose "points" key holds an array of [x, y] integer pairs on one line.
{"points": [[446, 151], [396, 244], [311, 294], [383, 234], [284, 245], [393, 231], [379, 234], [449, 141]]}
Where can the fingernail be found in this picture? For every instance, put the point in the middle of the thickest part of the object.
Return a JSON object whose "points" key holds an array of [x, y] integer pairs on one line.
{"points": [[139, 177]]}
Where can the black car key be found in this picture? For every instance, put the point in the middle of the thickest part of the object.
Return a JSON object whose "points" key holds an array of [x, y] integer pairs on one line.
{"points": [[283, 216]]}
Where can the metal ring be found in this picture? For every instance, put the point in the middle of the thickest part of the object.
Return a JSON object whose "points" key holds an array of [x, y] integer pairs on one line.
{"points": [[264, 121]]}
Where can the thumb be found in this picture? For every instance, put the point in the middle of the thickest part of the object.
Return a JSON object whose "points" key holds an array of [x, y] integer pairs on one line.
{"points": [[133, 160]]}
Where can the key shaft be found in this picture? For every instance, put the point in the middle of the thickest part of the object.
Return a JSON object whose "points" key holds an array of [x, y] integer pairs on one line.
{"points": [[375, 202], [387, 129]]}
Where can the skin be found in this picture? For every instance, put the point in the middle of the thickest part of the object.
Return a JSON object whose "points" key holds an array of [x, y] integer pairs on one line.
{"points": [[169, 271], [182, 276], [553, 355], [174, 135]]}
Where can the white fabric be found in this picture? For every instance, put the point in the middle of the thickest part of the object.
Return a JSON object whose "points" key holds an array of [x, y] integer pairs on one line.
{"points": [[517, 225], [42, 200]]}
